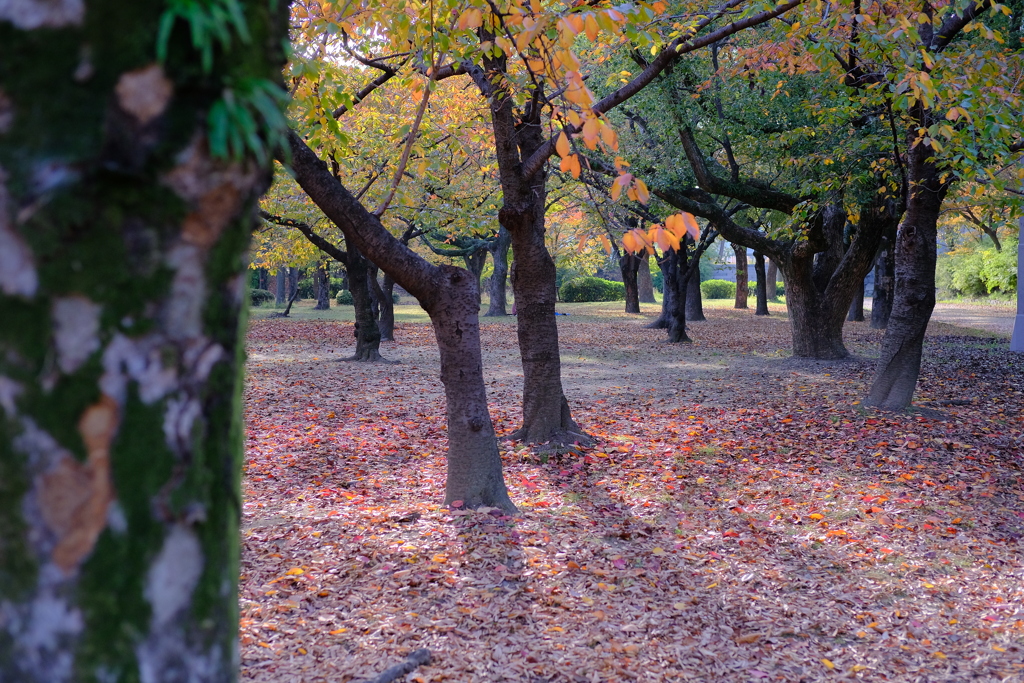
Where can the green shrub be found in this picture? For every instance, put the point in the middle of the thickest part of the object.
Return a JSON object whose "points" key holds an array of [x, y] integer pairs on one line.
{"points": [[780, 289], [258, 297], [977, 272], [718, 289], [583, 289], [344, 298], [306, 288], [395, 297]]}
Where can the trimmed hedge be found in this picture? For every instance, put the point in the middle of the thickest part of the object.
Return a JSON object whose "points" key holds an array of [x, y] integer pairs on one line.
{"points": [[718, 289], [259, 297], [584, 289], [780, 288]]}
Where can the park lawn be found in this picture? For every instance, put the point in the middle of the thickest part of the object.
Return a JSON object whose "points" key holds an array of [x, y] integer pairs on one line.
{"points": [[740, 517]]}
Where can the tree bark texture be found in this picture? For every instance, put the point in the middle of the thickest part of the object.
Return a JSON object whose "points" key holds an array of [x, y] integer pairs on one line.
{"points": [[475, 263], [448, 294], [771, 282], [762, 286], [386, 323], [280, 286], [373, 287], [517, 136], [856, 313], [644, 282], [322, 287], [366, 332], [742, 288], [499, 278], [899, 363], [694, 298], [629, 266], [885, 279], [122, 301], [667, 296]]}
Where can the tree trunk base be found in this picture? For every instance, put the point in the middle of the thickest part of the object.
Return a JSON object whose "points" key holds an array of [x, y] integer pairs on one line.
{"points": [[658, 324], [371, 356], [560, 437]]}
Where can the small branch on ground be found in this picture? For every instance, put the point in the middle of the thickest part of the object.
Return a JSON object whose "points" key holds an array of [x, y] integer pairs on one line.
{"points": [[417, 658]]}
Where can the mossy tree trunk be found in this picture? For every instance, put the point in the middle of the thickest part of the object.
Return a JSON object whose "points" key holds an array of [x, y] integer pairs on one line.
{"points": [[122, 299]]}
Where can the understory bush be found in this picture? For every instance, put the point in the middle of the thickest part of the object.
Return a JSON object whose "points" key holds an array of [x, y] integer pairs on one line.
{"points": [[258, 297], [780, 289], [344, 298], [718, 289], [584, 289], [974, 272], [306, 287]]}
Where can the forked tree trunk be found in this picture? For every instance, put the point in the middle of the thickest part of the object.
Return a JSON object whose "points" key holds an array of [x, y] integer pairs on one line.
{"points": [[449, 297], [899, 364], [856, 313], [322, 285], [629, 266], [475, 263], [885, 279], [499, 278], [816, 322], [366, 332], [762, 286], [742, 288], [373, 287], [644, 282], [122, 322]]}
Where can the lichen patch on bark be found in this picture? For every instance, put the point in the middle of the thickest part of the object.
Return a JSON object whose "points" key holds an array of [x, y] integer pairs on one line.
{"points": [[173, 575], [29, 15], [18, 276], [144, 93], [74, 497], [76, 326]]}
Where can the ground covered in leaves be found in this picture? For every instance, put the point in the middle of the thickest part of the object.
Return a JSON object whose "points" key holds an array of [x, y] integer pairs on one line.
{"points": [[740, 518]]}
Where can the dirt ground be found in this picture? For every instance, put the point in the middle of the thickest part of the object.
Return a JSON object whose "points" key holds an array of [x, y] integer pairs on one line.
{"points": [[741, 517]]}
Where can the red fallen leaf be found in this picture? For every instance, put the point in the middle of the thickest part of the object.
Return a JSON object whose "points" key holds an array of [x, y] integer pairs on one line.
{"points": [[730, 533]]}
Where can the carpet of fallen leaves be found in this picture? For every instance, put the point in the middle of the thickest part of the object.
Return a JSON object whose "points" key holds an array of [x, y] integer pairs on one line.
{"points": [[740, 518]]}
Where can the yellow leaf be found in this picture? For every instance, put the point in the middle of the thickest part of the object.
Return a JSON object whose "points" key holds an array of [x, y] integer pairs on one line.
{"points": [[582, 245], [857, 668], [816, 516], [658, 551], [606, 243], [590, 26], [294, 571], [471, 18], [562, 145], [828, 663], [953, 114], [338, 631], [628, 241], [610, 138], [574, 163], [590, 132], [940, 655]]}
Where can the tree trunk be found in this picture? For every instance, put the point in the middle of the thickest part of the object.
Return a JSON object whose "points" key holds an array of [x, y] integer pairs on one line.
{"points": [[373, 287], [629, 265], [742, 290], [475, 264], [280, 286], [762, 285], [264, 278], [386, 324], [322, 285], [817, 329], [694, 298], [644, 282], [448, 296], [291, 298], [667, 296], [499, 256], [856, 314], [676, 280], [546, 414], [772, 274], [914, 297], [122, 320], [293, 284], [885, 278], [366, 332]]}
